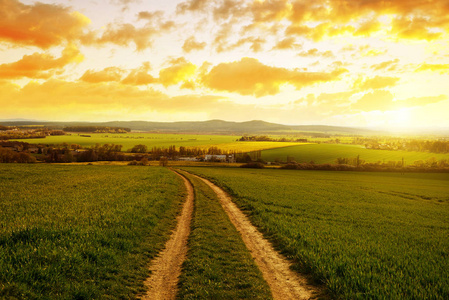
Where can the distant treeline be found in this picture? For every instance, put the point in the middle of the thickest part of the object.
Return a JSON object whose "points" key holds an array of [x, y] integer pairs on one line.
{"points": [[16, 133], [265, 138], [434, 146], [96, 129], [356, 164]]}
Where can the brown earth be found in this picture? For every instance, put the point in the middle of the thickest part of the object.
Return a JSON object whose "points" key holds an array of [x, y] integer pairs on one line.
{"points": [[284, 283], [166, 268]]}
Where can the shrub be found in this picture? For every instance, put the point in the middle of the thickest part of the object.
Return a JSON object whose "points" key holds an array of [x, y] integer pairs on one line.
{"points": [[254, 165]]}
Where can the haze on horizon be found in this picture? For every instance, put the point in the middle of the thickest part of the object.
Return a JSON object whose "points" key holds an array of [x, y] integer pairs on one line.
{"points": [[334, 62]]}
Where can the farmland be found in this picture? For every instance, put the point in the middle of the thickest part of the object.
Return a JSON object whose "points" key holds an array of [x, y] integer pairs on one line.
{"points": [[90, 231], [328, 153], [364, 235], [82, 232], [224, 142]]}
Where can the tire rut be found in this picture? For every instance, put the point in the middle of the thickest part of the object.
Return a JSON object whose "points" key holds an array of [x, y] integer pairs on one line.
{"points": [[166, 268]]}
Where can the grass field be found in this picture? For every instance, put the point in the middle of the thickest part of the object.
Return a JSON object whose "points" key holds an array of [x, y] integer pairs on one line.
{"points": [[328, 153], [224, 142], [218, 265], [364, 235], [82, 232]]}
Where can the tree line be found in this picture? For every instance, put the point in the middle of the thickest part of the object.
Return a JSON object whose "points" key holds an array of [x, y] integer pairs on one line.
{"points": [[97, 129], [265, 138]]}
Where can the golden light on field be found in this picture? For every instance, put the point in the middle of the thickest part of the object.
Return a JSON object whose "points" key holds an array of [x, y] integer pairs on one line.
{"points": [[351, 63]]}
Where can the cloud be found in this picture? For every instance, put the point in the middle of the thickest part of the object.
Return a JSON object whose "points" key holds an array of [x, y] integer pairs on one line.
{"points": [[140, 76], [250, 77], [287, 43], [123, 35], [192, 5], [191, 45], [441, 68], [377, 100], [40, 65], [179, 71], [270, 11], [78, 100], [419, 28], [368, 27], [389, 65], [41, 25], [375, 83], [106, 75], [315, 52], [420, 101]]}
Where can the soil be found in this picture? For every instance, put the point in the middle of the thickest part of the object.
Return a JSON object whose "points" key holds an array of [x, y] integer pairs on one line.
{"points": [[166, 268], [284, 283]]}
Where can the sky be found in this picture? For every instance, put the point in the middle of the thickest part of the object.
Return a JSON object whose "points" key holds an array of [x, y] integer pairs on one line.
{"points": [[365, 63]]}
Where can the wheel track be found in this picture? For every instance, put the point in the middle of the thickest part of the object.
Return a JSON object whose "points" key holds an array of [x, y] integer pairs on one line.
{"points": [[166, 268]]}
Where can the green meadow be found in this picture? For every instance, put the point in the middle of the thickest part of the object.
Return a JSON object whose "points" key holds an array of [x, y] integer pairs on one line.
{"points": [[362, 235], [82, 232], [328, 153]]}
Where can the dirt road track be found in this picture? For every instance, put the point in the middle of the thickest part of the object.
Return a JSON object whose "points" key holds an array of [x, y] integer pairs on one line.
{"points": [[166, 268], [284, 283]]}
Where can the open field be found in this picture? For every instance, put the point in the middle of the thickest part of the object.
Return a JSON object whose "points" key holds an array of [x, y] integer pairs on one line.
{"points": [[224, 142], [328, 153], [82, 232], [364, 235]]}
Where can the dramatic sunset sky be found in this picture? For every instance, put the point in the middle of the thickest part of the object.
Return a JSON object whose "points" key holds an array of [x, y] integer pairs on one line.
{"points": [[375, 63]]}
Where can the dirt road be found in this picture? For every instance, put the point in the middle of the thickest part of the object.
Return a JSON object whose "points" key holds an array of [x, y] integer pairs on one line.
{"points": [[284, 283], [166, 268]]}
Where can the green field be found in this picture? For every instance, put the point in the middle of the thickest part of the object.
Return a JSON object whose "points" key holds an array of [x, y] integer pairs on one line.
{"points": [[363, 235], [328, 153], [82, 232], [128, 140]]}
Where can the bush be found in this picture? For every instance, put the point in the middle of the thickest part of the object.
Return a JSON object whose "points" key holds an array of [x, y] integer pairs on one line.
{"points": [[254, 165]]}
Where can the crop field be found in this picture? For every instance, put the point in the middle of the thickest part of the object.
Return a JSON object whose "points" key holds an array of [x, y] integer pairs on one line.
{"points": [[328, 153], [224, 142], [82, 232], [363, 235]]}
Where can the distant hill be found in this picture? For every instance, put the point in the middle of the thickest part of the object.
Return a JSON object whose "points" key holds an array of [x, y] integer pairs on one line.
{"points": [[212, 126]]}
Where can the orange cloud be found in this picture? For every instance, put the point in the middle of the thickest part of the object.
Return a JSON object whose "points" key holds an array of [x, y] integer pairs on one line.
{"points": [[415, 27], [192, 5], [40, 65], [287, 43], [123, 35], [107, 74], [250, 77], [190, 45], [180, 71], [378, 82], [368, 27], [41, 25], [270, 11], [140, 76]]}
